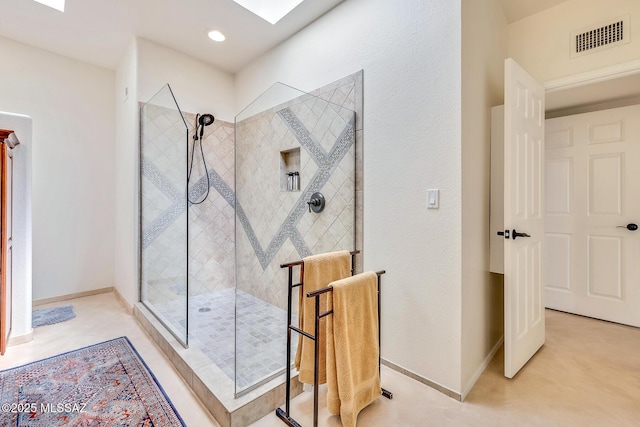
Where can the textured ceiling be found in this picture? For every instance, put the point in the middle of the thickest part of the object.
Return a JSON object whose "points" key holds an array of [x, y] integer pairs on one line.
{"points": [[98, 31]]}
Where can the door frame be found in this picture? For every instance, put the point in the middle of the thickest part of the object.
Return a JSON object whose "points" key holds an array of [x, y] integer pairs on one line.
{"points": [[8, 141], [586, 79], [583, 81], [572, 292]]}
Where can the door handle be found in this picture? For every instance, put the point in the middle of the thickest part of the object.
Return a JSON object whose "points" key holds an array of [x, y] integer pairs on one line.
{"points": [[630, 227], [516, 234]]}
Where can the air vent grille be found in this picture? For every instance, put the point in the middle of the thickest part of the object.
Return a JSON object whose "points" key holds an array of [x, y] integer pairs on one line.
{"points": [[601, 37]]}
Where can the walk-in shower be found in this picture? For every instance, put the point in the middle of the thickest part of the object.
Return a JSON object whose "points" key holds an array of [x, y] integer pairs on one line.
{"points": [[285, 132], [210, 266]]}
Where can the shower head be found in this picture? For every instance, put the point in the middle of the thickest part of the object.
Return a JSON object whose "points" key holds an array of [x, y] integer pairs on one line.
{"points": [[203, 120], [206, 119]]}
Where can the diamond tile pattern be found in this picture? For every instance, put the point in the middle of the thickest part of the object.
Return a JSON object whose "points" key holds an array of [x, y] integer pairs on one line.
{"points": [[163, 210], [277, 226], [273, 226], [211, 224], [166, 155]]}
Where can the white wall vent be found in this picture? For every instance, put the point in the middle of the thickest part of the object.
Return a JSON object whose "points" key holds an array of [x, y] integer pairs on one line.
{"points": [[599, 37]]}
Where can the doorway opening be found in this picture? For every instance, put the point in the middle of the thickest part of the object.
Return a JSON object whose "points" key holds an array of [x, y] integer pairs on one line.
{"points": [[603, 89]]}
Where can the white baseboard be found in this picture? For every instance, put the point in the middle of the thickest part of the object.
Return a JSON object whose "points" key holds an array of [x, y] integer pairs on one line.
{"points": [[123, 301], [481, 368], [21, 339], [439, 387], [67, 297]]}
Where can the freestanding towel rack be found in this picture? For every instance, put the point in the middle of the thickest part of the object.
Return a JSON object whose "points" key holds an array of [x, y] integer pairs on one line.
{"points": [[284, 415]]}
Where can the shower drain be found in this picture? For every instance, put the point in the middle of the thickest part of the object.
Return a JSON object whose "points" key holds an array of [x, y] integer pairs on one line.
{"points": [[204, 309]]}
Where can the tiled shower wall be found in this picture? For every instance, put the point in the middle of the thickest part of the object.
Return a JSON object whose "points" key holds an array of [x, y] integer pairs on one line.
{"points": [[274, 225], [348, 92], [211, 225], [164, 228], [163, 213]]}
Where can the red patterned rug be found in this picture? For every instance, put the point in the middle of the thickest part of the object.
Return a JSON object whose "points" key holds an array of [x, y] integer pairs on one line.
{"points": [[106, 384]]}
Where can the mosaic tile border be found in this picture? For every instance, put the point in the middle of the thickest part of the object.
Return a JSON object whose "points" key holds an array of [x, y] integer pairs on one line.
{"points": [[169, 216], [327, 163], [151, 172], [303, 135]]}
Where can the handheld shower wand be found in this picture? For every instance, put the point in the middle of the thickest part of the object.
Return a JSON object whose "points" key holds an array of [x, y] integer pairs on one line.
{"points": [[204, 120], [201, 122]]}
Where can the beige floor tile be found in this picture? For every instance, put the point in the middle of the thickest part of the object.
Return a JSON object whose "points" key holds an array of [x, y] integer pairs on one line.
{"points": [[587, 374], [99, 318]]}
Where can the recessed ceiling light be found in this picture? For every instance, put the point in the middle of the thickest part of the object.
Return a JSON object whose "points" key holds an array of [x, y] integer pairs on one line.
{"points": [[271, 11], [55, 4], [216, 36]]}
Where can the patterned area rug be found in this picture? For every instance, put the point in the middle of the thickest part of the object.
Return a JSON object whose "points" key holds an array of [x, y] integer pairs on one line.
{"points": [[106, 384], [49, 316]]}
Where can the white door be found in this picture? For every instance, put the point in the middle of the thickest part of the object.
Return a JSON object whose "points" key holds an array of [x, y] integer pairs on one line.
{"points": [[593, 187], [523, 217]]}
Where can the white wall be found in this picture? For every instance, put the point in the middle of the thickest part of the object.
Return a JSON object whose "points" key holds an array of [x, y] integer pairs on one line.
{"points": [[484, 49], [411, 55], [71, 104], [541, 43], [22, 245], [198, 88], [126, 179]]}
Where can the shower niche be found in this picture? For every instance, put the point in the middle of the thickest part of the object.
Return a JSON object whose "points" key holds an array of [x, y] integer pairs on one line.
{"points": [[290, 170]]}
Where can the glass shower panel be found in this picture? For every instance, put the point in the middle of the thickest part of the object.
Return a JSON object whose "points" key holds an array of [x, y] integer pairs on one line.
{"points": [[163, 212], [289, 145]]}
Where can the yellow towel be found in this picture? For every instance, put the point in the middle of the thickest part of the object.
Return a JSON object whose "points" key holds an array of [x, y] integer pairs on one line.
{"points": [[319, 271], [353, 378]]}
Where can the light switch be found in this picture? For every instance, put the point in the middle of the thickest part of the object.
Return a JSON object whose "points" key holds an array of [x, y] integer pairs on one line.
{"points": [[433, 199]]}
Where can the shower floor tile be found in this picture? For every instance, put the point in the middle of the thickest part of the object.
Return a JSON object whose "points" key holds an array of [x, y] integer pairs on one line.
{"points": [[261, 328]]}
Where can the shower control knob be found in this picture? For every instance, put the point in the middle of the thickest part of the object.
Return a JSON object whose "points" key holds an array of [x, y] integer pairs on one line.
{"points": [[316, 203]]}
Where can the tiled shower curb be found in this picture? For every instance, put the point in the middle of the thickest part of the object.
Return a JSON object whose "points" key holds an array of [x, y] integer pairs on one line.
{"points": [[212, 386]]}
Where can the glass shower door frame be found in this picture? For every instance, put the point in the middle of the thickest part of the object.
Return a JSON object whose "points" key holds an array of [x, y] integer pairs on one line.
{"points": [[182, 339], [288, 133]]}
